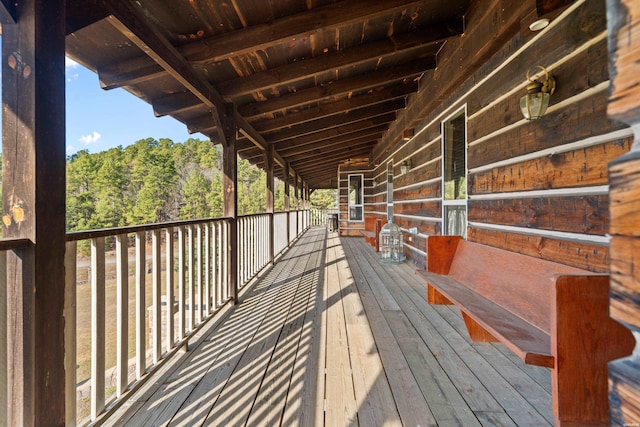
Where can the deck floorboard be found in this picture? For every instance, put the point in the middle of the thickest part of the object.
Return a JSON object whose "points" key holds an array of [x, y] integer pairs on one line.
{"points": [[331, 337]]}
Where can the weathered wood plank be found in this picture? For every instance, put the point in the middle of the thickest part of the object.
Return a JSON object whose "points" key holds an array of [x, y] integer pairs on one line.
{"points": [[412, 406], [373, 393], [33, 203], [340, 401], [275, 387], [583, 214], [580, 120], [582, 168], [582, 255]]}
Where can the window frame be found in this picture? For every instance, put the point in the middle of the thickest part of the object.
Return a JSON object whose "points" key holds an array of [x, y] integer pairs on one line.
{"points": [[351, 205], [460, 202]]}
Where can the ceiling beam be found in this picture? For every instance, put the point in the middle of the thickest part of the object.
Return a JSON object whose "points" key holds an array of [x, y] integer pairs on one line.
{"points": [[252, 135], [338, 131], [260, 37], [411, 70], [322, 152], [370, 113], [131, 22], [348, 135], [334, 142], [328, 109], [175, 103], [419, 44], [8, 12]]}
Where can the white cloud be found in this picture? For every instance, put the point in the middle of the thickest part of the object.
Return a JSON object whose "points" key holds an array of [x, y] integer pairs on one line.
{"points": [[71, 149], [70, 64], [91, 138]]}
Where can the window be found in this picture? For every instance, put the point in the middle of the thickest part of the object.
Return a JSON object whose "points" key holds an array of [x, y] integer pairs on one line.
{"points": [[356, 197], [454, 177], [390, 191]]}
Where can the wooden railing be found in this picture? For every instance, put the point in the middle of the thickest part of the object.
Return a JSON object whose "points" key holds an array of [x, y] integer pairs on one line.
{"points": [[135, 296]]}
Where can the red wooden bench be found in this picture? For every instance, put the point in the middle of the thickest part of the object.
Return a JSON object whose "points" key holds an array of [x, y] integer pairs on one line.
{"points": [[371, 232], [549, 314]]}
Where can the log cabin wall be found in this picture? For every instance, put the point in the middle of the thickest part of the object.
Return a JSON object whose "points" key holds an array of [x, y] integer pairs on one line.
{"points": [[624, 178], [534, 187]]}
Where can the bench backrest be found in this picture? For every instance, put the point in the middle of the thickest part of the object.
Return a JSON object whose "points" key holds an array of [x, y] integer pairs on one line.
{"points": [[522, 284], [369, 223]]}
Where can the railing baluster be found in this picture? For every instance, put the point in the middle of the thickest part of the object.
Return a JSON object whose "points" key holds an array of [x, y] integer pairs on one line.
{"points": [[199, 271], [70, 333], [122, 314], [156, 289], [97, 327], [141, 333], [225, 265], [169, 283], [207, 270], [181, 284], [214, 266], [221, 250], [192, 277]]}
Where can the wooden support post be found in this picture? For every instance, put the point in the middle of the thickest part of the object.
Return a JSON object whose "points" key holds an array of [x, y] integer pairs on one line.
{"points": [[33, 149], [270, 167], [230, 185], [624, 179]]}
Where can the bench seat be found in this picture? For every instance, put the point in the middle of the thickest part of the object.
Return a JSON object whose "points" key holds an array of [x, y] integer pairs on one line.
{"points": [[549, 314], [531, 344]]}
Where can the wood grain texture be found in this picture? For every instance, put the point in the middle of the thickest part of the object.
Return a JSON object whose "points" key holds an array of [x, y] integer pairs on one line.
{"points": [[586, 214], [580, 168], [588, 257], [576, 324]]}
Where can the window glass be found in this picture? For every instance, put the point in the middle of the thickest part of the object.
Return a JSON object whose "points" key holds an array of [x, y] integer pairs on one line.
{"points": [[356, 196], [454, 177]]}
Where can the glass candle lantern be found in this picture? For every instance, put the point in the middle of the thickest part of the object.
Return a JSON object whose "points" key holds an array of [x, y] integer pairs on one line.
{"points": [[391, 249]]}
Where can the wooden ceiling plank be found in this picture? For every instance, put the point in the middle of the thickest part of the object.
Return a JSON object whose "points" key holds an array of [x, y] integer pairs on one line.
{"points": [[175, 103], [345, 86], [336, 143], [347, 134], [378, 114], [283, 30], [417, 42], [8, 12], [327, 151], [247, 130], [370, 98], [130, 21], [330, 133]]}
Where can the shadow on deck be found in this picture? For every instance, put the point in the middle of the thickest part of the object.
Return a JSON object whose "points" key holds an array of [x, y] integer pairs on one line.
{"points": [[331, 337]]}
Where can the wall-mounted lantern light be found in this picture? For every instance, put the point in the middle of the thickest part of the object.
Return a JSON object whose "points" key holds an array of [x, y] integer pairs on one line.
{"points": [[404, 167], [534, 104], [407, 134]]}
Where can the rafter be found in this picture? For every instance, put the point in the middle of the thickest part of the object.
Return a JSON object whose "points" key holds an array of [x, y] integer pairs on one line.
{"points": [[370, 98], [418, 44], [347, 134], [372, 80], [260, 37], [353, 138], [371, 113], [130, 21]]}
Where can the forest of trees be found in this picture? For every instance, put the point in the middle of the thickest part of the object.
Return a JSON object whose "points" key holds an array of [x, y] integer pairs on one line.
{"points": [[156, 181]]}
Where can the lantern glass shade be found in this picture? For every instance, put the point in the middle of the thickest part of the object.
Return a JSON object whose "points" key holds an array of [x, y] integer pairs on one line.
{"points": [[534, 105], [391, 248]]}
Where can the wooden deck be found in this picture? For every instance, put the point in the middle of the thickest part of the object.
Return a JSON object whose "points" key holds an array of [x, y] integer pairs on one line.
{"points": [[332, 337]]}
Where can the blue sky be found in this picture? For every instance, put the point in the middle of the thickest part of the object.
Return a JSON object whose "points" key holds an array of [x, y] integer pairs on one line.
{"points": [[98, 120]]}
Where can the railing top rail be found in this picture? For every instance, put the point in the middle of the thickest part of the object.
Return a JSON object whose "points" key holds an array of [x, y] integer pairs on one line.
{"points": [[107, 232], [9, 244]]}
